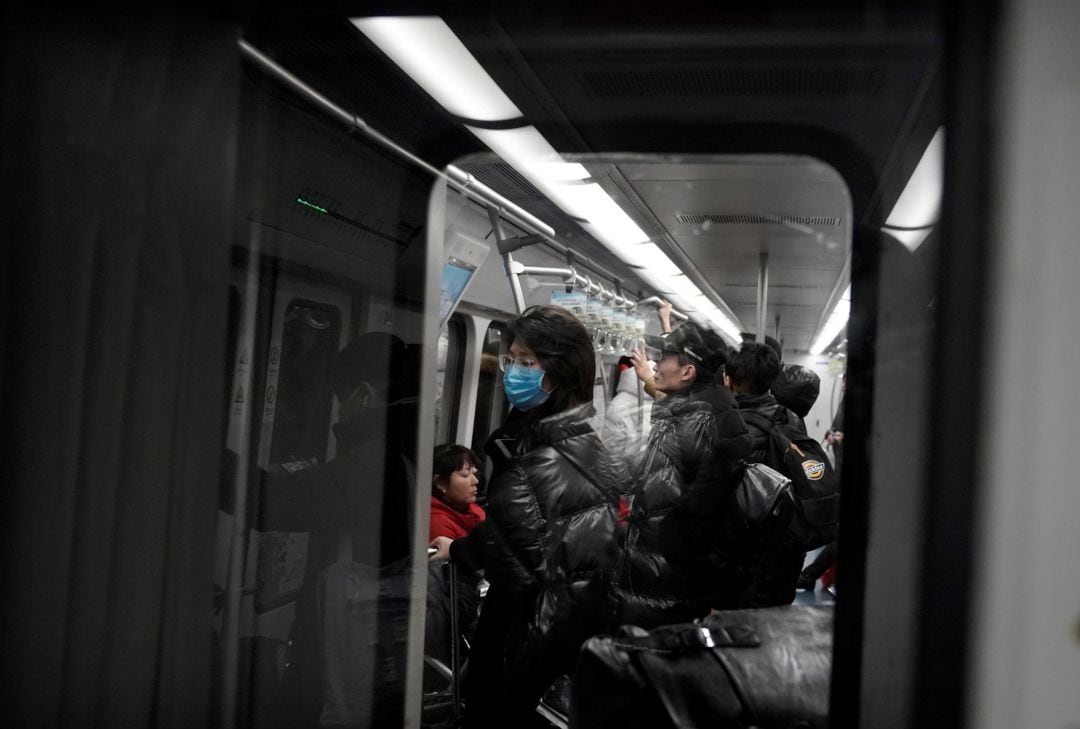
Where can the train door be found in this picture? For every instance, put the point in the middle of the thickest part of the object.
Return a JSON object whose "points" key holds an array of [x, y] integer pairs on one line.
{"points": [[330, 331], [287, 408]]}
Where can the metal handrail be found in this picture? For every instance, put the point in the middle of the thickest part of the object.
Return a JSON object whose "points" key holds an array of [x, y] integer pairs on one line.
{"points": [[461, 181]]}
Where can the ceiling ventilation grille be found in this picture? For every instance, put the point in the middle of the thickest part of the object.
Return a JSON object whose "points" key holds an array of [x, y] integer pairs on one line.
{"points": [[756, 219], [735, 81]]}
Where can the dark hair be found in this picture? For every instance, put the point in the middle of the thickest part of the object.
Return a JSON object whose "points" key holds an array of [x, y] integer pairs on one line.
{"points": [[564, 348], [755, 365], [448, 458], [749, 337]]}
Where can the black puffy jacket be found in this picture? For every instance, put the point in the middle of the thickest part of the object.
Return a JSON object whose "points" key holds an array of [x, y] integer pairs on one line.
{"points": [[690, 430], [548, 544]]}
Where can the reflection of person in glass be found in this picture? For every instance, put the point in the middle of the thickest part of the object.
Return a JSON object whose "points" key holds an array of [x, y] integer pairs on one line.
{"points": [[355, 508], [547, 545]]}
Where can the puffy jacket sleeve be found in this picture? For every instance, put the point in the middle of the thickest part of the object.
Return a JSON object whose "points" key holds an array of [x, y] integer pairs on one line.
{"points": [[698, 437], [509, 544], [515, 514]]}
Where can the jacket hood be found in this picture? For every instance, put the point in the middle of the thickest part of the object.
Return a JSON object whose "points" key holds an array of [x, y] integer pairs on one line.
{"points": [[797, 389]]}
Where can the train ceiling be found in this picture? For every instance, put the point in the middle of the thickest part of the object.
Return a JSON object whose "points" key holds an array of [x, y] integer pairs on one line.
{"points": [[859, 91]]}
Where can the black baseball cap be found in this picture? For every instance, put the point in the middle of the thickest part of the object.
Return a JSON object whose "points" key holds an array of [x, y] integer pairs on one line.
{"points": [[702, 346]]}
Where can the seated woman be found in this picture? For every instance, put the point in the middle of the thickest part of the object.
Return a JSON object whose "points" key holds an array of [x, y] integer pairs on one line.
{"points": [[454, 511]]}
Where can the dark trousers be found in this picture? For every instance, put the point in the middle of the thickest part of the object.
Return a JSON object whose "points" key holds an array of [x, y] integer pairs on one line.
{"points": [[502, 689]]}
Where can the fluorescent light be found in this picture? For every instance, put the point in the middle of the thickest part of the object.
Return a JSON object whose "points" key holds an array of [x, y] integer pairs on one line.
{"points": [[919, 205], [725, 324], [679, 302], [685, 288], [427, 50], [562, 171], [650, 257], [524, 148], [837, 320], [701, 302], [659, 283]]}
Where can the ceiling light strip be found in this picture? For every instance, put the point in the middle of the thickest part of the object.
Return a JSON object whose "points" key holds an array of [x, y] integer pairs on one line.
{"points": [[429, 52], [435, 58]]}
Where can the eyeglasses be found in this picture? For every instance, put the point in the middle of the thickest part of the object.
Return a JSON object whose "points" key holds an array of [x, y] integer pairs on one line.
{"points": [[506, 362]]}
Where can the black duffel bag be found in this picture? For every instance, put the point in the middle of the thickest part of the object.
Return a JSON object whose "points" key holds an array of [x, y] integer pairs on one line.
{"points": [[765, 668]]}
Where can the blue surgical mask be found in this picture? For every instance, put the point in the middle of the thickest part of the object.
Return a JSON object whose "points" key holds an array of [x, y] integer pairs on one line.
{"points": [[522, 387]]}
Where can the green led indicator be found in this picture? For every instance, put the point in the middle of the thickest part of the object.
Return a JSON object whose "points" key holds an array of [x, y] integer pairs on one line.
{"points": [[311, 205]]}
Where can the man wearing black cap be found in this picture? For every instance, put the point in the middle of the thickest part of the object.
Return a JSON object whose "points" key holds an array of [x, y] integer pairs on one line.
{"points": [[697, 423]]}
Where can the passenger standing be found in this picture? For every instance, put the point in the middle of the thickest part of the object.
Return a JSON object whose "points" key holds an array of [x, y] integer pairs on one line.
{"points": [[795, 387], [696, 423], [627, 416], [749, 373], [834, 438], [548, 546]]}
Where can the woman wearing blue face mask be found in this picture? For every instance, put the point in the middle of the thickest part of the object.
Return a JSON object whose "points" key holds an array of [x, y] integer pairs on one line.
{"points": [[548, 545]]}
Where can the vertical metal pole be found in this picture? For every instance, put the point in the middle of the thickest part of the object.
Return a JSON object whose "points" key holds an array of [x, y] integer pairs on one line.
{"points": [[508, 262], [234, 584], [762, 296], [455, 636], [640, 408]]}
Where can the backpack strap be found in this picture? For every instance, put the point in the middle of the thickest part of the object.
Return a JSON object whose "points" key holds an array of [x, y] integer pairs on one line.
{"points": [[772, 428], [690, 639], [760, 422]]}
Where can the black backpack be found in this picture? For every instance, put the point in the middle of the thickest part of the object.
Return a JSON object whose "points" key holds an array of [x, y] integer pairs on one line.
{"points": [[815, 484]]}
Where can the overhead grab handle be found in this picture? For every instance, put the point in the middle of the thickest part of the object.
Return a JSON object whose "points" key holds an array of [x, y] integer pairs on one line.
{"points": [[657, 301], [509, 245]]}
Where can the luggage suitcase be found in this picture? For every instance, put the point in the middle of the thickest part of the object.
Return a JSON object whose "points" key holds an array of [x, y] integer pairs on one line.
{"points": [[766, 668]]}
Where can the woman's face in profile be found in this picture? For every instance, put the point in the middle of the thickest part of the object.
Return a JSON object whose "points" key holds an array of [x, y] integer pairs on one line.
{"points": [[460, 488]]}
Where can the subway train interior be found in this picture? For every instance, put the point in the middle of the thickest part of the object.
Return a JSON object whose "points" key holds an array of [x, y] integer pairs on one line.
{"points": [[205, 209]]}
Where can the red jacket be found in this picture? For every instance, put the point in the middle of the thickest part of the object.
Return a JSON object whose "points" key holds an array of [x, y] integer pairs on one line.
{"points": [[449, 522]]}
